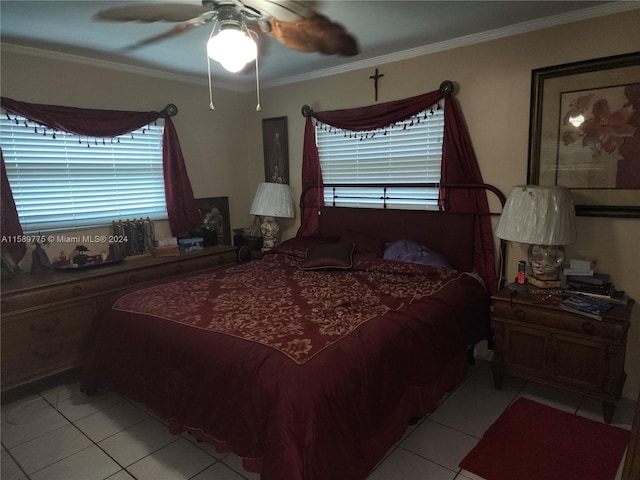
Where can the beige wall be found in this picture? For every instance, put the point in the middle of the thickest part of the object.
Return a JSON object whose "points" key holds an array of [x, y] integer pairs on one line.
{"points": [[223, 149]]}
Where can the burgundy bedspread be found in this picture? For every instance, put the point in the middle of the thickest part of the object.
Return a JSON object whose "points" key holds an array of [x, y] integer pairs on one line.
{"points": [[304, 374]]}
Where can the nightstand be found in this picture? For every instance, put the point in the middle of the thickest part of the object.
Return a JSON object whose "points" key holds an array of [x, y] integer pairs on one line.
{"points": [[541, 342]]}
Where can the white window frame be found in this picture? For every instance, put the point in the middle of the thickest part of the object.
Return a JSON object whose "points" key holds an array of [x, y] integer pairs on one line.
{"points": [[61, 181], [409, 152]]}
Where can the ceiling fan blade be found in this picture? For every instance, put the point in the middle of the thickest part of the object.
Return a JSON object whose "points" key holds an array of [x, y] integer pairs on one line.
{"points": [[283, 10], [152, 12], [177, 30], [314, 34]]}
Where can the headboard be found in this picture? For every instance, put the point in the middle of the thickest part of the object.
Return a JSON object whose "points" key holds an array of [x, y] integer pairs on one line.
{"points": [[450, 234]]}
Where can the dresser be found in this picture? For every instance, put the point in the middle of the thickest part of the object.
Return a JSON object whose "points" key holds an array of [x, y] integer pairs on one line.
{"points": [[46, 319], [543, 343]]}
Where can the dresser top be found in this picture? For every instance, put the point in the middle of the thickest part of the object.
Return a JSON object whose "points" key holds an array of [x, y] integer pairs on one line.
{"points": [[619, 313], [26, 281]]}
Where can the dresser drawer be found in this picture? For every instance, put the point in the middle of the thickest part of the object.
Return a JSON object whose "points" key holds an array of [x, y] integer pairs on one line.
{"points": [[558, 319], [209, 262], [55, 293], [43, 341]]}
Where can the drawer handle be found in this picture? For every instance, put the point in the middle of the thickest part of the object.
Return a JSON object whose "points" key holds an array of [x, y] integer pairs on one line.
{"points": [[50, 354], [588, 327], [77, 290], [520, 314], [36, 329]]}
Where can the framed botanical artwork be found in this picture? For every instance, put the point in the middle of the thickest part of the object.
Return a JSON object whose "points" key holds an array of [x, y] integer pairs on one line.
{"points": [[215, 211], [9, 266], [585, 133], [275, 142]]}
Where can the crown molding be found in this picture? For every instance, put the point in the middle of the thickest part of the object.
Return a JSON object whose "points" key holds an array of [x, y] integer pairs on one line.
{"points": [[525, 27]]}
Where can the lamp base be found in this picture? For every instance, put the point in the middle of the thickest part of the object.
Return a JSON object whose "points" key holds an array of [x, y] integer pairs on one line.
{"points": [[546, 260], [270, 232]]}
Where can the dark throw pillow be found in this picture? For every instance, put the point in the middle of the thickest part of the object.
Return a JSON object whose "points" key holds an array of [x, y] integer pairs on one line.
{"points": [[329, 255]]}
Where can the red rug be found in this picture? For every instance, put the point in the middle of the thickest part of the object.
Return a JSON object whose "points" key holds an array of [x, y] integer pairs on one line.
{"points": [[531, 441]]}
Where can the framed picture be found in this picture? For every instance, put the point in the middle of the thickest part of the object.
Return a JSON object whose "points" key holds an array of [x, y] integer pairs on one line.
{"points": [[275, 142], [216, 216], [585, 133], [9, 266]]}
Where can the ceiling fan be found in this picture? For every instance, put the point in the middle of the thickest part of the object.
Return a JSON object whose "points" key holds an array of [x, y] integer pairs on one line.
{"points": [[295, 24]]}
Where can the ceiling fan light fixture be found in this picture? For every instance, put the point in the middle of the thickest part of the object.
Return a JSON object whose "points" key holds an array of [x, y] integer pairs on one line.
{"points": [[232, 48]]}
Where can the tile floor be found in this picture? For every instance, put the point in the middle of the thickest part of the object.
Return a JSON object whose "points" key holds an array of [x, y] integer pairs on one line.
{"points": [[58, 433]]}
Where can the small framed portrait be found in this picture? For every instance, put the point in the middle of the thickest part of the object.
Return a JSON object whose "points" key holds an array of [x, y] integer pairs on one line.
{"points": [[275, 142], [215, 213], [9, 266]]}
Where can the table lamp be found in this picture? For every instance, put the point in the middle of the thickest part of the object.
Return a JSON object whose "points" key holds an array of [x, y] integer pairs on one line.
{"points": [[544, 218], [272, 200]]}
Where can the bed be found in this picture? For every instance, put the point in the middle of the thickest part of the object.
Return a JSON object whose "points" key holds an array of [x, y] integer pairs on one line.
{"points": [[309, 363]]}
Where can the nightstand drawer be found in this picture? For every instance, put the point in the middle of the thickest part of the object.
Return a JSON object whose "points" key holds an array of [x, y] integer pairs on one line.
{"points": [[558, 319]]}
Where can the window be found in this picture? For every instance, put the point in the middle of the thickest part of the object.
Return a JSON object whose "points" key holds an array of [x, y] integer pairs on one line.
{"points": [[409, 152], [61, 181]]}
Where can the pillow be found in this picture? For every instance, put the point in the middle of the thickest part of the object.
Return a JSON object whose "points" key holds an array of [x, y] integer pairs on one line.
{"points": [[329, 255], [408, 251], [363, 243]]}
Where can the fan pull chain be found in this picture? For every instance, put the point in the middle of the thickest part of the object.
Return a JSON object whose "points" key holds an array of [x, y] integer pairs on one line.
{"points": [[211, 107], [258, 107], [255, 38]]}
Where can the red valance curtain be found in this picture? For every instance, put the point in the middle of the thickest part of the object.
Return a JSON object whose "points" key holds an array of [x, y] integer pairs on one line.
{"points": [[181, 207], [459, 165]]}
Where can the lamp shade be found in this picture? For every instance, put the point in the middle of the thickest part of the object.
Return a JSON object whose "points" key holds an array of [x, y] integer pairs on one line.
{"points": [[273, 200], [538, 215]]}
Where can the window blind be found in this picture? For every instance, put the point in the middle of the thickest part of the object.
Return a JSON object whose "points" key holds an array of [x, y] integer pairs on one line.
{"points": [[406, 153], [64, 181]]}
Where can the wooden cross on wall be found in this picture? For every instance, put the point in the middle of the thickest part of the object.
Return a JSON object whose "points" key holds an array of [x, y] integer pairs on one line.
{"points": [[375, 78]]}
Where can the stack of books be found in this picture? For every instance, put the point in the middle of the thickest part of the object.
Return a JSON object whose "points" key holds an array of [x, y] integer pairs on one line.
{"points": [[588, 306], [544, 281], [598, 285], [544, 289], [166, 247]]}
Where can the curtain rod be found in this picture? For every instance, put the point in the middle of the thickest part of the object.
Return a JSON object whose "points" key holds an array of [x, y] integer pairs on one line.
{"points": [[446, 88], [171, 110]]}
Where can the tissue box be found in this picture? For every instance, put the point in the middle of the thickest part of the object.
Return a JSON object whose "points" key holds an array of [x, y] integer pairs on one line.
{"points": [[191, 244], [582, 263]]}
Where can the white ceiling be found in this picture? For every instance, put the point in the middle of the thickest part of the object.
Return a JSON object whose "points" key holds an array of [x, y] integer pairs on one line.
{"points": [[385, 30]]}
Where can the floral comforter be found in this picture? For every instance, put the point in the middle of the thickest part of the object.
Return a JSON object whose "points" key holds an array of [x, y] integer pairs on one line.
{"points": [[288, 368]]}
